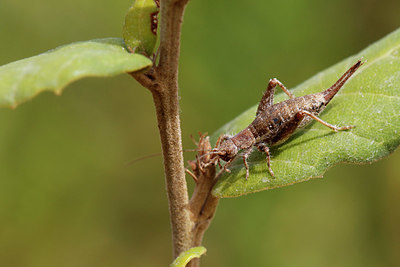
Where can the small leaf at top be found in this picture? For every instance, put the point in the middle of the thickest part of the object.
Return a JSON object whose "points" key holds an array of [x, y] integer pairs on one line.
{"points": [[370, 100], [140, 28], [53, 70]]}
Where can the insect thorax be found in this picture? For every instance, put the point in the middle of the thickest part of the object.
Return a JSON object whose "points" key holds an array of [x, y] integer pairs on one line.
{"points": [[227, 149]]}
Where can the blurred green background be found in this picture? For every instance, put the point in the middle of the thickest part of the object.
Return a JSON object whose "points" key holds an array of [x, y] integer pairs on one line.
{"points": [[68, 199]]}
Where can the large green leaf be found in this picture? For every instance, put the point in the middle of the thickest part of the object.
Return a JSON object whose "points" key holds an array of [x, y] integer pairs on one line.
{"points": [[53, 70], [370, 100]]}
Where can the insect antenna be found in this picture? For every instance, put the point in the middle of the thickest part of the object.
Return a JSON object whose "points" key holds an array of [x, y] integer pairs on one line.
{"points": [[159, 154], [212, 152], [133, 161]]}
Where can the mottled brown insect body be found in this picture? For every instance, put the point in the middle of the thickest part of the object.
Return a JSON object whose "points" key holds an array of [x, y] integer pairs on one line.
{"points": [[275, 123]]}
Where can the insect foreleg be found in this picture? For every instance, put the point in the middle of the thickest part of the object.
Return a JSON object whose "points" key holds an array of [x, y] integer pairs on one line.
{"points": [[225, 168], [264, 148], [333, 127]]}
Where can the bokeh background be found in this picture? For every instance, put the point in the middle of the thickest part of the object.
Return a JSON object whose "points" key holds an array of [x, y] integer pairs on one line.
{"points": [[68, 199]]}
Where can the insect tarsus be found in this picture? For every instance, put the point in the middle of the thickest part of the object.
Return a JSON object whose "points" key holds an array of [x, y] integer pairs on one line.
{"points": [[275, 123]]}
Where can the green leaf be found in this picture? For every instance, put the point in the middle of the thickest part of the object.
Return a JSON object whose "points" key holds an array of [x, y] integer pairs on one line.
{"points": [[55, 69], [140, 28], [370, 100], [187, 256]]}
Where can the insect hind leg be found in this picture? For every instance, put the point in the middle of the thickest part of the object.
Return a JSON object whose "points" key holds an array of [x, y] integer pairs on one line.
{"points": [[268, 97], [276, 82], [333, 127]]}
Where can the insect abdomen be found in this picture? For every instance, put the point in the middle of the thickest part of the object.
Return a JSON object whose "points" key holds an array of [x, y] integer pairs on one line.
{"points": [[277, 123]]}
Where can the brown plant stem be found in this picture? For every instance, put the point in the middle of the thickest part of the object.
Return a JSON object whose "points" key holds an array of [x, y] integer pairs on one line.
{"points": [[162, 81], [170, 133], [188, 220], [202, 204]]}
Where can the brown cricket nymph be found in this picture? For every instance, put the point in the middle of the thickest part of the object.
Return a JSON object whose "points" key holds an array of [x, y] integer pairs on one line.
{"points": [[275, 123]]}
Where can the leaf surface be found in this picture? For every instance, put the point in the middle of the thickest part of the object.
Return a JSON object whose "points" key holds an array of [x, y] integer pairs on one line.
{"points": [[53, 70], [370, 100]]}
